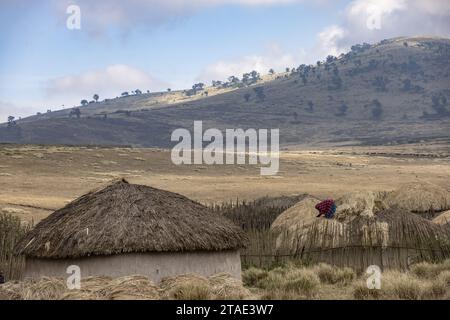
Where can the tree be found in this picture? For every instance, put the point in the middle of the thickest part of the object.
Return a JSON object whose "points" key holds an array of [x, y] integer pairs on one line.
{"points": [[125, 94], [96, 97], [198, 87], [377, 109], [247, 97], [260, 93], [439, 104], [137, 92], [11, 121], [310, 106], [271, 71], [407, 85], [169, 90], [75, 112], [84, 102], [288, 69], [342, 110]]}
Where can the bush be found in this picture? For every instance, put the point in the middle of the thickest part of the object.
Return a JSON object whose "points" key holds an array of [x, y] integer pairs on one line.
{"points": [[301, 281], [362, 292], [445, 278], [252, 276], [332, 275], [190, 291], [435, 290], [425, 270], [396, 285]]}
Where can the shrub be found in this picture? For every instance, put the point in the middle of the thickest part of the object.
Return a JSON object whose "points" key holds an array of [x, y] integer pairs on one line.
{"points": [[426, 270], [362, 292], [398, 285], [190, 291], [252, 276], [435, 290], [332, 275], [445, 278], [301, 281]]}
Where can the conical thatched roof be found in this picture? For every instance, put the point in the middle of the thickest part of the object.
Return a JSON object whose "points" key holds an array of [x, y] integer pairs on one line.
{"points": [[420, 197], [124, 218], [300, 233], [443, 218]]}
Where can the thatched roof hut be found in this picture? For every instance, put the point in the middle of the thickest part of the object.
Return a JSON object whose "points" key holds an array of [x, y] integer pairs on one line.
{"points": [[420, 197], [138, 228], [362, 233]]}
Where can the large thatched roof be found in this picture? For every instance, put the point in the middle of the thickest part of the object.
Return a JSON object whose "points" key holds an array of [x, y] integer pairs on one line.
{"points": [[124, 218], [420, 197], [298, 230]]}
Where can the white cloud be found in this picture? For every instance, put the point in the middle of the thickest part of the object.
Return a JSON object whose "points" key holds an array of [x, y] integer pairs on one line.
{"points": [[273, 57], [108, 82], [99, 15], [11, 109], [396, 18]]}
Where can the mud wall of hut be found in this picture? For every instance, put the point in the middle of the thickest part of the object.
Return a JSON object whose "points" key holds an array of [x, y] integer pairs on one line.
{"points": [[153, 265]]}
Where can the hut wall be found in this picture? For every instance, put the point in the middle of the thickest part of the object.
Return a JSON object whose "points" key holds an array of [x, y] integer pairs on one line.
{"points": [[153, 265]]}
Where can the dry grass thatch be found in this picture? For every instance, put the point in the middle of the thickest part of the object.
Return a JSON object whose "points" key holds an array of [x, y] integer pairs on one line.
{"points": [[11, 231], [420, 197], [191, 287], [443, 218], [360, 203], [389, 238], [124, 218]]}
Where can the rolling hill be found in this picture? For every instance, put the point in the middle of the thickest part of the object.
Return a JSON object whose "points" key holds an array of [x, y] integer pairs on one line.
{"points": [[395, 91]]}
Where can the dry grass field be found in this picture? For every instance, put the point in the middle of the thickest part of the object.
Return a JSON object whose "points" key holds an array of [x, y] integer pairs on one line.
{"points": [[36, 180]]}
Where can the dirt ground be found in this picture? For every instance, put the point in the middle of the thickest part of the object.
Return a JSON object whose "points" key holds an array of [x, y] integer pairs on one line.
{"points": [[36, 180]]}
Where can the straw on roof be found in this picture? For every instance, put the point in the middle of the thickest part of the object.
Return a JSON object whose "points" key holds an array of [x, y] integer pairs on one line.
{"points": [[124, 218], [300, 233], [420, 197], [360, 203], [443, 218]]}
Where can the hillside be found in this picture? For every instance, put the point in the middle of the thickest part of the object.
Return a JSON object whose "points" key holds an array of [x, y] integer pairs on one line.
{"points": [[391, 92]]}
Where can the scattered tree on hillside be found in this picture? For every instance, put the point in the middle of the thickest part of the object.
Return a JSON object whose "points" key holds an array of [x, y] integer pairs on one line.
{"points": [[439, 104], [137, 92], [330, 58], [169, 90], [407, 85], [75, 112], [251, 78], [198, 86], [96, 97], [335, 83], [84, 102], [342, 110], [377, 109], [310, 107], [260, 93], [380, 83], [11, 121], [247, 97], [125, 94]]}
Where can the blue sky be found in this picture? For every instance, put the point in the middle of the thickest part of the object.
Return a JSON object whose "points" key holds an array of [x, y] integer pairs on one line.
{"points": [[150, 44]]}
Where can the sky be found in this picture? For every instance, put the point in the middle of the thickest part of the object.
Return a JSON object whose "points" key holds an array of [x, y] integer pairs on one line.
{"points": [[159, 44]]}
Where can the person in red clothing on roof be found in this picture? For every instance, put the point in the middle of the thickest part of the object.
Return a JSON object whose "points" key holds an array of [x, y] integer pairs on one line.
{"points": [[326, 208]]}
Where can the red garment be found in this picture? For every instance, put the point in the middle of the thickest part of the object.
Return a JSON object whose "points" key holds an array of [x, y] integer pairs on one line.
{"points": [[324, 207]]}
